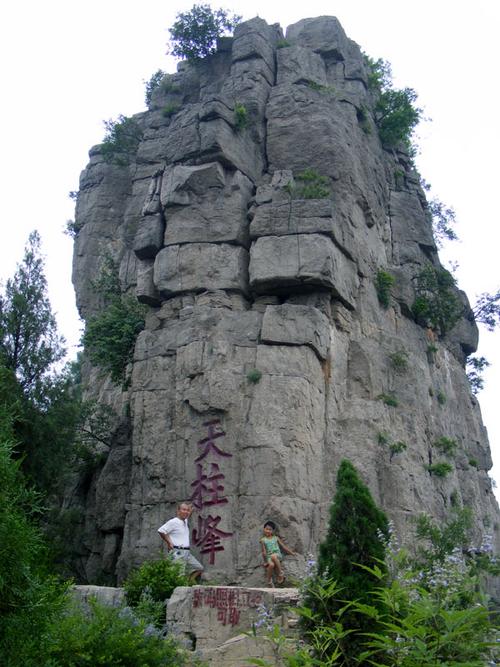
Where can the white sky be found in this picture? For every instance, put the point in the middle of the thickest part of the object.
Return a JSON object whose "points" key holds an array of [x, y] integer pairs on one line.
{"points": [[66, 66]]}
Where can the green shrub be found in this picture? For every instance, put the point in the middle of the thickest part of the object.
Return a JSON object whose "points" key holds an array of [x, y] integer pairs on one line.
{"points": [[394, 447], [254, 375], [437, 304], [474, 463], [155, 580], [396, 115], [383, 438], [194, 34], [309, 185], [363, 119], [240, 116], [427, 609], [383, 283], [110, 336], [439, 469], [320, 88], [282, 44], [170, 110], [399, 178], [399, 361], [389, 399], [475, 367], [121, 140], [109, 636], [153, 84], [72, 228], [397, 448], [446, 445], [431, 352], [441, 397]]}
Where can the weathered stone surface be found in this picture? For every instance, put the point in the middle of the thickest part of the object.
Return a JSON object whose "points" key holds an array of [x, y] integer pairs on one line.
{"points": [[302, 260], [297, 325], [182, 185], [296, 216], [256, 39], [216, 214], [113, 597], [145, 290], [196, 266], [279, 367], [411, 230], [297, 64], [149, 236], [212, 615]]}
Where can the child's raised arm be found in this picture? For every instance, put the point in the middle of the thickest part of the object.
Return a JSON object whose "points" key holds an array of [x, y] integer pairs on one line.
{"points": [[286, 549]]}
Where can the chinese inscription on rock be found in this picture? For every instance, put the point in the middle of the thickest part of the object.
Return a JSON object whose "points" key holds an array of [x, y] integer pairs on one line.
{"points": [[208, 491]]}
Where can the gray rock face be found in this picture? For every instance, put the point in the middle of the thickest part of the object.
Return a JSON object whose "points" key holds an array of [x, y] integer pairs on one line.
{"points": [[266, 355]]}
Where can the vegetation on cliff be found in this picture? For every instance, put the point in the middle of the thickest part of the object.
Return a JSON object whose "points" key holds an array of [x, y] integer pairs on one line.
{"points": [[422, 609], [195, 32]]}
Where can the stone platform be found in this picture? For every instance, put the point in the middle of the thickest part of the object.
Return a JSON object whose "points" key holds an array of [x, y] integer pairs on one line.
{"points": [[219, 620]]}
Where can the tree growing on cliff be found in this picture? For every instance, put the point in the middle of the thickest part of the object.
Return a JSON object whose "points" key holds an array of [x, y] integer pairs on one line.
{"points": [[110, 336], [194, 35], [396, 115]]}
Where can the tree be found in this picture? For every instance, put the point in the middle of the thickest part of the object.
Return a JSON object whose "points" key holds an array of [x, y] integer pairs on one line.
{"points": [[443, 218], [29, 342], [354, 544], [437, 304], [355, 535], [396, 115], [122, 138], [475, 368], [39, 397], [487, 310], [29, 595], [110, 336], [194, 35]]}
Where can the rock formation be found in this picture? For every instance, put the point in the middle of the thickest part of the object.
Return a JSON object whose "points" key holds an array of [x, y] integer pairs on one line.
{"points": [[266, 355]]}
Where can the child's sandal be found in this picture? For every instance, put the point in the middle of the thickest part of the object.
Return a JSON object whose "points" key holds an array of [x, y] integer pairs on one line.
{"points": [[281, 579]]}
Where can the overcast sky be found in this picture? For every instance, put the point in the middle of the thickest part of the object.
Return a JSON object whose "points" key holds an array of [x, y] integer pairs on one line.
{"points": [[66, 66]]}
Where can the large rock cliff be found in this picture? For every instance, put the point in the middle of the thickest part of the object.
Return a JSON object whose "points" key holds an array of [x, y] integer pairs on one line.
{"points": [[266, 355]]}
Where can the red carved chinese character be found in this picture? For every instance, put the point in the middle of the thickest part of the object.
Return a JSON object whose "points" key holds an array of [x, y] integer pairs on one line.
{"points": [[209, 485], [234, 616], [208, 442], [233, 599], [210, 599], [197, 598], [208, 536], [222, 616], [221, 596]]}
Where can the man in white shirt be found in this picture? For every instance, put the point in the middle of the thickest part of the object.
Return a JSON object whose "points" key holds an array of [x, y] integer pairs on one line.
{"points": [[175, 534]]}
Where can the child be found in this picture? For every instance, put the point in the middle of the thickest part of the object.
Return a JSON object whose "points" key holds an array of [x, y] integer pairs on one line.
{"points": [[271, 553]]}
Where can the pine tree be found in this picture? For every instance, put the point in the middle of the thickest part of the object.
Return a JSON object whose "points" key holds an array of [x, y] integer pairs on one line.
{"points": [[354, 536], [39, 396], [354, 541], [29, 342]]}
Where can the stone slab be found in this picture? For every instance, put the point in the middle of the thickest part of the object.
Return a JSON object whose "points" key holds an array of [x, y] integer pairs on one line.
{"points": [[297, 325], [194, 267], [279, 263]]}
